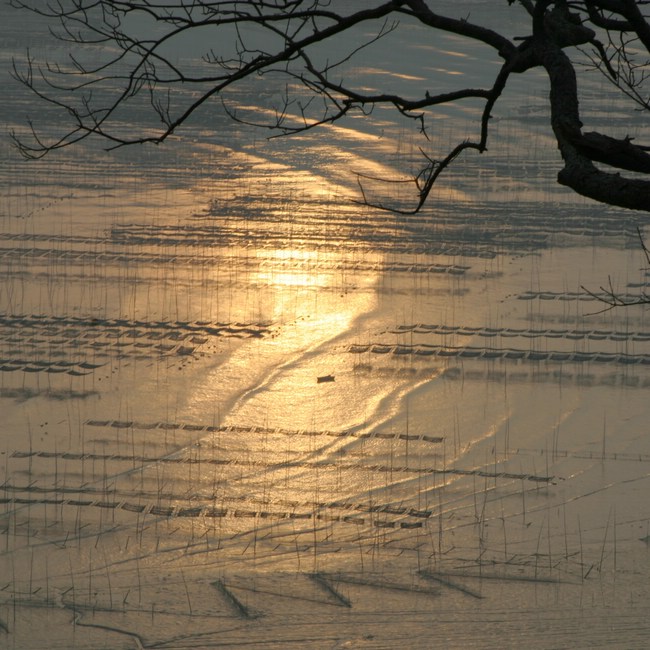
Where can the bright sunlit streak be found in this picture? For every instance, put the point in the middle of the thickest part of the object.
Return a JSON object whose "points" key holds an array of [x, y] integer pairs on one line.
{"points": [[292, 268]]}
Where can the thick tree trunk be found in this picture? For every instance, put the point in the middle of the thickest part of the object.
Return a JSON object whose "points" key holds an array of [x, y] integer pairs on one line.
{"points": [[621, 154], [578, 150], [605, 187]]}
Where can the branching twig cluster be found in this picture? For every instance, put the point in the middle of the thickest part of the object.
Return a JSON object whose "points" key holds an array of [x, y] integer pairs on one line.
{"points": [[612, 298], [285, 39]]}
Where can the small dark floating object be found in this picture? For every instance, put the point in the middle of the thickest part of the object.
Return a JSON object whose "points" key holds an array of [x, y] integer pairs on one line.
{"points": [[324, 379]]}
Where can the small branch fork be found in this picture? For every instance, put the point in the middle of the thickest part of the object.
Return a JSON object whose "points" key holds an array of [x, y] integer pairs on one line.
{"points": [[93, 98], [611, 298]]}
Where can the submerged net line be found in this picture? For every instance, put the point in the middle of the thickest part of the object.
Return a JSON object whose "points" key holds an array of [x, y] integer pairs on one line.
{"points": [[75, 369], [218, 259], [261, 242], [376, 435], [514, 354], [212, 512], [530, 333], [58, 325], [118, 497], [581, 296], [301, 464], [25, 336], [585, 455]]}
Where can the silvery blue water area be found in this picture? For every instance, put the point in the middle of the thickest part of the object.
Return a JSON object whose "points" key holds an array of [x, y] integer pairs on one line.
{"points": [[240, 409]]}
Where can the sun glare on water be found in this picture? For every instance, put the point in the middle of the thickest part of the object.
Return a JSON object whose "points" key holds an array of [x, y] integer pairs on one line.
{"points": [[293, 268]]}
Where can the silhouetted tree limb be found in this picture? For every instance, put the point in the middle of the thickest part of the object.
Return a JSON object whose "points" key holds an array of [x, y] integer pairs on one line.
{"points": [[612, 298], [134, 38]]}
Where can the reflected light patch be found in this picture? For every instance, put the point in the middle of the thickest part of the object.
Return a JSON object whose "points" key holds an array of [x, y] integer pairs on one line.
{"points": [[449, 72], [390, 73], [293, 268], [461, 55]]}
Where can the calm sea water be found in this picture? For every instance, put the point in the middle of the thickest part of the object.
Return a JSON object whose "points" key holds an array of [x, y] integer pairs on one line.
{"points": [[239, 407]]}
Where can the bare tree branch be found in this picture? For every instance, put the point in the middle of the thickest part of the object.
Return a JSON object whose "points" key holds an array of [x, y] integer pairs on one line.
{"points": [[134, 38]]}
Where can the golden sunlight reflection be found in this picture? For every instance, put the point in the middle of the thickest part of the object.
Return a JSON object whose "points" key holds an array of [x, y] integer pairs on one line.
{"points": [[295, 268], [314, 300]]}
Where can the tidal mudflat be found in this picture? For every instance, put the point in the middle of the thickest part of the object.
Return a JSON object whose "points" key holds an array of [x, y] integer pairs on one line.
{"points": [[238, 409]]}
